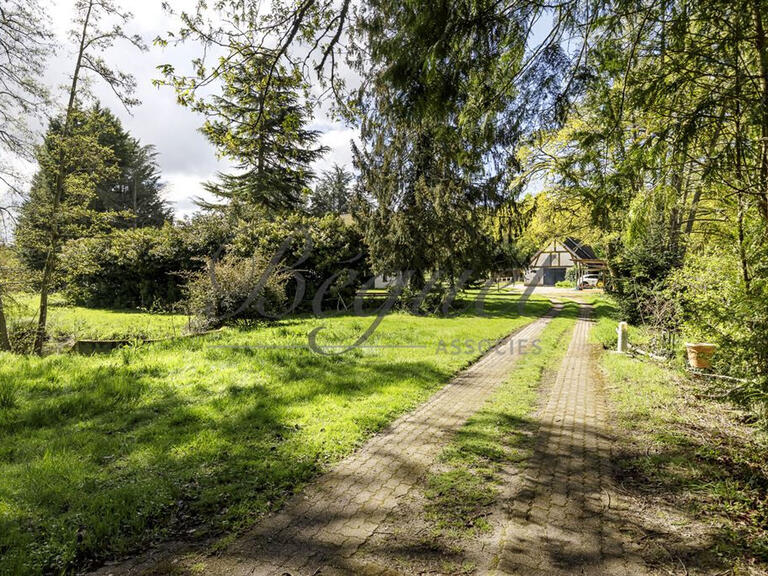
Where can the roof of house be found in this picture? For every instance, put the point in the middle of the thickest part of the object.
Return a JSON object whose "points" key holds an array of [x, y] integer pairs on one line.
{"points": [[579, 249]]}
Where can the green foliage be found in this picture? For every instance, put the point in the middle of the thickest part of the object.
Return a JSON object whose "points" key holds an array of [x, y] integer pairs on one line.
{"points": [[433, 156], [319, 249], [235, 288], [135, 268], [332, 192], [716, 306], [665, 153], [150, 267], [84, 164], [103, 167], [133, 197], [259, 122]]}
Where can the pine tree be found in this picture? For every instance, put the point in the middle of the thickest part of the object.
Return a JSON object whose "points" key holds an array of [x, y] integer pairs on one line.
{"points": [[332, 193], [260, 122], [136, 190]]}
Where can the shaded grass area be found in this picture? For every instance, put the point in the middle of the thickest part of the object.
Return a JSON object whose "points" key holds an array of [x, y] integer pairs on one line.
{"points": [[467, 484], [102, 456], [76, 322], [681, 446]]}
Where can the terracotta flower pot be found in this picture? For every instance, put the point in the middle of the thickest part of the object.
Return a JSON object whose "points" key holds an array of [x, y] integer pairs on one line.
{"points": [[700, 354]]}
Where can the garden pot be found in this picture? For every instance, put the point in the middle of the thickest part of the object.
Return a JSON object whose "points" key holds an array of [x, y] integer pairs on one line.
{"points": [[700, 354]]}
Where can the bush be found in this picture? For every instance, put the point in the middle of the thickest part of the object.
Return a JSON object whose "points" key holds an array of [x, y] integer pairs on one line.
{"points": [[565, 284], [138, 268], [233, 289], [22, 335], [317, 248], [415, 301], [150, 267], [715, 306]]}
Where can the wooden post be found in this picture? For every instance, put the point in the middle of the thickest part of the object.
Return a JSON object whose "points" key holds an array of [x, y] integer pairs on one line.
{"points": [[623, 340]]}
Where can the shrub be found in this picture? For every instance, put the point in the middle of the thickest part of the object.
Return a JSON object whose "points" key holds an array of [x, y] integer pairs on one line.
{"points": [[21, 334], [235, 289], [317, 248], [716, 306], [143, 267], [565, 284], [417, 301]]}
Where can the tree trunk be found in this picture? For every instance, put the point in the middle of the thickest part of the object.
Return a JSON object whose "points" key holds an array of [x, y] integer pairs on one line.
{"points": [[5, 343], [50, 259], [742, 250]]}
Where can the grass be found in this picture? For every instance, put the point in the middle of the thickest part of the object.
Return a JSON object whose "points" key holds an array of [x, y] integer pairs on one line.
{"points": [[101, 456], [606, 322], [680, 445], [468, 481], [73, 322]]}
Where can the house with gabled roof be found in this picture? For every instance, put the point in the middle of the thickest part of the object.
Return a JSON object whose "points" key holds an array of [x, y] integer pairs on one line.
{"points": [[550, 264]]}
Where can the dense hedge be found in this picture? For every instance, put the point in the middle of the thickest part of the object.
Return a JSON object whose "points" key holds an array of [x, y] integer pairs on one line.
{"points": [[150, 267], [139, 268], [317, 249]]}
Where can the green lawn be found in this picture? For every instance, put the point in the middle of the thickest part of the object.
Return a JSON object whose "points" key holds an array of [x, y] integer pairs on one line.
{"points": [[102, 455], [73, 322]]}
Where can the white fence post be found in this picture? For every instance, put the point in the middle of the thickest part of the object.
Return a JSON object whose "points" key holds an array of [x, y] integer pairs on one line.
{"points": [[623, 340]]}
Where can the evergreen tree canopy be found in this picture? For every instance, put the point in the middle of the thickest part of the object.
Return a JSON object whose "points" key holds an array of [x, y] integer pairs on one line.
{"points": [[259, 121], [116, 183], [333, 192], [136, 191]]}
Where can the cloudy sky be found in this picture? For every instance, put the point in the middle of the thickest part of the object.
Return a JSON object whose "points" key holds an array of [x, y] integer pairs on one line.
{"points": [[186, 158]]}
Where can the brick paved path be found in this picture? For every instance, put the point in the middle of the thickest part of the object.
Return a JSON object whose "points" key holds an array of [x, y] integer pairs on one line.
{"points": [[321, 528], [566, 518]]}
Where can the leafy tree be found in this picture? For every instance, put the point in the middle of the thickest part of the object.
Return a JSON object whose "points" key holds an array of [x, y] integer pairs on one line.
{"points": [[309, 33], [333, 192], [125, 193], [93, 37], [264, 132], [25, 44], [87, 165], [433, 159]]}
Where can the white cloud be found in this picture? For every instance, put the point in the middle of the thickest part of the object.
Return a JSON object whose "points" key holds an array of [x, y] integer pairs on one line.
{"points": [[339, 139], [181, 190]]}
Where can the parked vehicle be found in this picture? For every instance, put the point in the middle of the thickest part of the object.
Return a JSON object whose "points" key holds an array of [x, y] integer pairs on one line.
{"points": [[589, 281]]}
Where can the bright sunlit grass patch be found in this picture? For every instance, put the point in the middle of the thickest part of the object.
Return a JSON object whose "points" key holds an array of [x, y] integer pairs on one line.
{"points": [[66, 321]]}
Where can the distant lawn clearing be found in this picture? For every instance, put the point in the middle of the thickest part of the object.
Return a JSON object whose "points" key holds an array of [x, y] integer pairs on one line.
{"points": [[101, 456], [65, 322]]}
